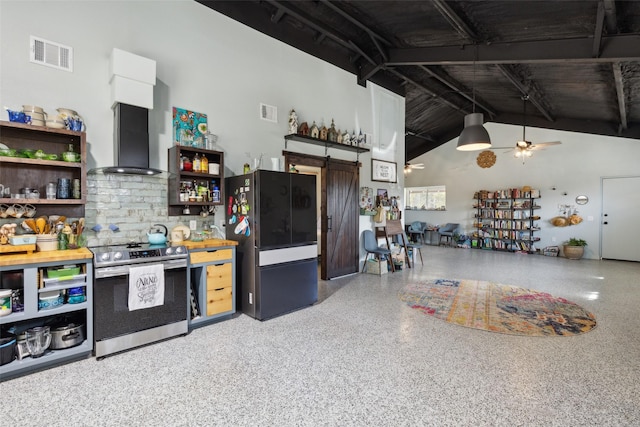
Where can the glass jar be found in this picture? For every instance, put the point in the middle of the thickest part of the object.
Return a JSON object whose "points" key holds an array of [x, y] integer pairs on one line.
{"points": [[186, 163], [204, 164], [69, 155], [196, 163], [51, 190]]}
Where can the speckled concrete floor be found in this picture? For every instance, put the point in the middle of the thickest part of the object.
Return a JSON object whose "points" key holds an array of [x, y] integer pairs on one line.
{"points": [[361, 357]]}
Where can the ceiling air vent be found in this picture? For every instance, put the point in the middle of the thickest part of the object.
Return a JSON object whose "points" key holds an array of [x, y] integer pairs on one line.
{"points": [[51, 54], [269, 113]]}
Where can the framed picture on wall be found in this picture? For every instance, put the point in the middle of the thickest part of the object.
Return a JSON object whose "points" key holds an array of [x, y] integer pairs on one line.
{"points": [[382, 197], [383, 171], [366, 201]]}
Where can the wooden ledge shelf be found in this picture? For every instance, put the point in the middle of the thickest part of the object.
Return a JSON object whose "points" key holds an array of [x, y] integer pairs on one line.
{"points": [[323, 143]]}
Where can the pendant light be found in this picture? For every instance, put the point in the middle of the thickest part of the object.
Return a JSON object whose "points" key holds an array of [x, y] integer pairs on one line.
{"points": [[474, 136]]}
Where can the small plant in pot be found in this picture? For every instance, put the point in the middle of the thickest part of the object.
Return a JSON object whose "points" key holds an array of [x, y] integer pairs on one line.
{"points": [[574, 248]]}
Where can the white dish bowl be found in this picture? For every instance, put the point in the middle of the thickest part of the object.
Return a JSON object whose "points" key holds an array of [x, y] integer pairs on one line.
{"points": [[56, 124], [37, 122], [47, 242]]}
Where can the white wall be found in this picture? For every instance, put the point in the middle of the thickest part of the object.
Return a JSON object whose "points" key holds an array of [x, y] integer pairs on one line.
{"points": [[575, 167], [205, 62]]}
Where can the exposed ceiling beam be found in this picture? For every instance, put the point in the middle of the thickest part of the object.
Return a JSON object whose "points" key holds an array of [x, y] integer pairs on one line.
{"points": [[415, 147], [462, 91], [428, 91], [614, 48], [375, 37], [368, 71], [454, 20], [525, 91], [610, 16], [617, 75], [597, 34], [419, 135], [310, 22], [355, 21], [595, 127], [276, 17]]}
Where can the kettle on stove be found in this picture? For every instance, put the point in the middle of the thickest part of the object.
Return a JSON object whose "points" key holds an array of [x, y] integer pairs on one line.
{"points": [[157, 236]]}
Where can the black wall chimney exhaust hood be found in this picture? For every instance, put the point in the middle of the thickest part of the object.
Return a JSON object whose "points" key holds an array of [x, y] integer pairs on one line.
{"points": [[131, 134]]}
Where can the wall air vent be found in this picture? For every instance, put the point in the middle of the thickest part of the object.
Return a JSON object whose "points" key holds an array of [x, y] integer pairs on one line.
{"points": [[51, 54], [269, 113]]}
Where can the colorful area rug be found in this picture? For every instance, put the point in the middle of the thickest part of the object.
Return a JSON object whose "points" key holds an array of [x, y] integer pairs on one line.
{"points": [[498, 308]]}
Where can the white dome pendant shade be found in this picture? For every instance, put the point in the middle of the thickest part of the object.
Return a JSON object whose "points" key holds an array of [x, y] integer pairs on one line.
{"points": [[474, 136]]}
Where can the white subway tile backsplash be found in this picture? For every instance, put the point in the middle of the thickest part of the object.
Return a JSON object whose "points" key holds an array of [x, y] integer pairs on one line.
{"points": [[133, 203]]}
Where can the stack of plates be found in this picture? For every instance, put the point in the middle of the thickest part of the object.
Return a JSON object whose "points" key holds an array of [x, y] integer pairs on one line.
{"points": [[38, 116]]}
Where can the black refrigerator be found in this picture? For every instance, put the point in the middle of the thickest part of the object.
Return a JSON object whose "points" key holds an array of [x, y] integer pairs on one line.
{"points": [[272, 215]]}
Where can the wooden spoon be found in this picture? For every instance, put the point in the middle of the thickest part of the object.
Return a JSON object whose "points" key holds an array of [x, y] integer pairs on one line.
{"points": [[31, 223], [41, 224]]}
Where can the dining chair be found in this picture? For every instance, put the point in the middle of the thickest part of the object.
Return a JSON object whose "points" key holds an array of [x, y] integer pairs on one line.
{"points": [[416, 228], [371, 246], [447, 232], [414, 247]]}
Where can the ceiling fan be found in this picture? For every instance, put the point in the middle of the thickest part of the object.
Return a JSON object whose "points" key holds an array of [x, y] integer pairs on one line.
{"points": [[409, 167], [524, 148]]}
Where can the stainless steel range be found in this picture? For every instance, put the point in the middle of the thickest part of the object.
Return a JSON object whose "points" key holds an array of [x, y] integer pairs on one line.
{"points": [[140, 295]]}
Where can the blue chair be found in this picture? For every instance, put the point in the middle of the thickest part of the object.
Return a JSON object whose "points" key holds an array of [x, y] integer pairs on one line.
{"points": [[416, 228], [371, 246], [414, 247], [447, 232]]}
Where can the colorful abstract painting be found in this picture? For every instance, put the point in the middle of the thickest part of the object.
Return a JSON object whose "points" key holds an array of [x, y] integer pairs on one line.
{"points": [[188, 126]]}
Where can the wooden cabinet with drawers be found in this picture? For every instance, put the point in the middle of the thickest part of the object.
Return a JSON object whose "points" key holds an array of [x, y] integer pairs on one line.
{"points": [[212, 284]]}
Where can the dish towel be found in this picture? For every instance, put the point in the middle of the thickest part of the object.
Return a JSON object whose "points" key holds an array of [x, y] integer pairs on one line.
{"points": [[146, 286]]}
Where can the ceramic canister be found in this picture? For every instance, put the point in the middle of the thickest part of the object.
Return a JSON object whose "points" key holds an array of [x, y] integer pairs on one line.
{"points": [[63, 190], [5, 302]]}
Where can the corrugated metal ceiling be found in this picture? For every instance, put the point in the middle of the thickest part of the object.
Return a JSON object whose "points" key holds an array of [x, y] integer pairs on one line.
{"points": [[578, 62]]}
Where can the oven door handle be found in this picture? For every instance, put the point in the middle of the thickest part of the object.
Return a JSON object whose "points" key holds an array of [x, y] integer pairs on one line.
{"points": [[174, 263], [123, 270]]}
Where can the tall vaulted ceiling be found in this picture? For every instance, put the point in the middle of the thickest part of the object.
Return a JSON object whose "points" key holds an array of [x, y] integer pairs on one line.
{"points": [[577, 62]]}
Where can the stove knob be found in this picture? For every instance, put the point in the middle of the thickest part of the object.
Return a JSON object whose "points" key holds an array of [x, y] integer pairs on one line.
{"points": [[179, 250], [169, 251], [105, 256], [117, 255]]}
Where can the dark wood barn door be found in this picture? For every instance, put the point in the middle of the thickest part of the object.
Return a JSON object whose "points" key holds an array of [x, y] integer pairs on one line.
{"points": [[341, 220]]}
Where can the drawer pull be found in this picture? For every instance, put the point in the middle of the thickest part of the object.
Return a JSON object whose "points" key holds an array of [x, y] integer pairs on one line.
{"points": [[218, 289]]}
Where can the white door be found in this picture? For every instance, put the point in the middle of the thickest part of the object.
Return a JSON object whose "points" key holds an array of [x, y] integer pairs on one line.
{"points": [[620, 213]]}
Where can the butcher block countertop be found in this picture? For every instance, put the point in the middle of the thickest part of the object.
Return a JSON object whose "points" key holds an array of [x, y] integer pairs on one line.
{"points": [[209, 243], [47, 256]]}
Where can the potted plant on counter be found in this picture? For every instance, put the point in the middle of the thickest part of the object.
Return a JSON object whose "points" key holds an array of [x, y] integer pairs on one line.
{"points": [[574, 248]]}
